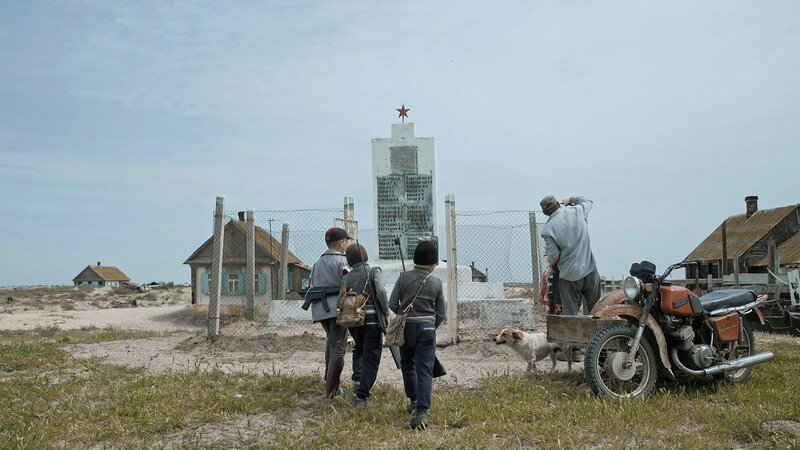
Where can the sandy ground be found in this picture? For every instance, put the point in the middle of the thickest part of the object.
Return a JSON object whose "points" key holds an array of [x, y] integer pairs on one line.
{"points": [[160, 309], [295, 349], [149, 318], [242, 346], [248, 347]]}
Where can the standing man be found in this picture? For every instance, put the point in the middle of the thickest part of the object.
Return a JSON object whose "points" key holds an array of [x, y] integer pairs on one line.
{"points": [[566, 235], [326, 282]]}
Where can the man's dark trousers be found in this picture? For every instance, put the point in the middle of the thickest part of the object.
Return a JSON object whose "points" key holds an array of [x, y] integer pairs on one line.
{"points": [[571, 293]]}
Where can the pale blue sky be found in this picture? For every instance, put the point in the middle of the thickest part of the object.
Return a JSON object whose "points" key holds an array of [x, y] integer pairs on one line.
{"points": [[121, 121]]}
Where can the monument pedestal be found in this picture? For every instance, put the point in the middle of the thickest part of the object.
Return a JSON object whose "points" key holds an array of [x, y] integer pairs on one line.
{"points": [[481, 305], [467, 289]]}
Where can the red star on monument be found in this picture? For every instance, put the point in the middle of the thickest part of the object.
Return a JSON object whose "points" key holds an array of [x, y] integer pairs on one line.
{"points": [[403, 112]]}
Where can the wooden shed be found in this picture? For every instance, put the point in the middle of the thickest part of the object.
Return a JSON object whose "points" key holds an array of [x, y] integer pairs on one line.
{"points": [[746, 238], [99, 275]]}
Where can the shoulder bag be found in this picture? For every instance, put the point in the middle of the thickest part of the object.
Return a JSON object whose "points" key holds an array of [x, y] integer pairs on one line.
{"points": [[396, 330]]}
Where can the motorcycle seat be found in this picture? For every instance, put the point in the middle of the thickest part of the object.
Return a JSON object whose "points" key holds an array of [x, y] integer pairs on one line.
{"points": [[726, 298]]}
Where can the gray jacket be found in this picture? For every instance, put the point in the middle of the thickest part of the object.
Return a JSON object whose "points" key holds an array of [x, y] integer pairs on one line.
{"points": [[356, 280], [429, 304], [328, 271], [566, 235]]}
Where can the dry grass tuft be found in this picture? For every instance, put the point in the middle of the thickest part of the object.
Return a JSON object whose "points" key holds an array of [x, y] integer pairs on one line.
{"points": [[54, 400]]}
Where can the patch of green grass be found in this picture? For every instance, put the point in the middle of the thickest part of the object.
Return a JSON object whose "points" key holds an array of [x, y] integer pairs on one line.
{"points": [[20, 357], [86, 335], [54, 400]]}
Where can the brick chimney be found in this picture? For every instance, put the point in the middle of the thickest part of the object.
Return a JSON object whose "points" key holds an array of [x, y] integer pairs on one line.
{"points": [[241, 214], [752, 204]]}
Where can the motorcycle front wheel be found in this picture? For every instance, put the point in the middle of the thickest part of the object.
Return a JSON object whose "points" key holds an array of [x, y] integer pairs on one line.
{"points": [[608, 367]]}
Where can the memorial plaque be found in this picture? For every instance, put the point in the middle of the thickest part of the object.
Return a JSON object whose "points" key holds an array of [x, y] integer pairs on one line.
{"points": [[405, 191]]}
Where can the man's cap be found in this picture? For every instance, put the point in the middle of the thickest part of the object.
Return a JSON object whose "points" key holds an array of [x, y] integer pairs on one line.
{"points": [[336, 234], [549, 204]]}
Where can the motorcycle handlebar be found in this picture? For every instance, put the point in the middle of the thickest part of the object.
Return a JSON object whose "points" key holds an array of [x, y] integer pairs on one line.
{"points": [[685, 263]]}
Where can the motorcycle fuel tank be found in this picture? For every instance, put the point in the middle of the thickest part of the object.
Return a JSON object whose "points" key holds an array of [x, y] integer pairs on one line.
{"points": [[679, 301]]}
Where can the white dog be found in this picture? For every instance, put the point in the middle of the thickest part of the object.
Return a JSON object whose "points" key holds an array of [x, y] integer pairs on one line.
{"points": [[532, 347]]}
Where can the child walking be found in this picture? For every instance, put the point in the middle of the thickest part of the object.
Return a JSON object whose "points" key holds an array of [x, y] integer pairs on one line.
{"points": [[368, 337], [326, 275], [423, 291]]}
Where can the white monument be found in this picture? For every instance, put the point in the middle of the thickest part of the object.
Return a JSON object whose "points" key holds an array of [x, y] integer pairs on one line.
{"points": [[404, 192], [404, 189]]}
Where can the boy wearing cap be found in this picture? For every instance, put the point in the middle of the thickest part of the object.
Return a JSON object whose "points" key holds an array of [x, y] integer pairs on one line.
{"points": [[327, 273], [420, 287]]}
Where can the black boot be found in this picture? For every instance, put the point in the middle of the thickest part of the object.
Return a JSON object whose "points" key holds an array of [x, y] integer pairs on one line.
{"points": [[420, 420]]}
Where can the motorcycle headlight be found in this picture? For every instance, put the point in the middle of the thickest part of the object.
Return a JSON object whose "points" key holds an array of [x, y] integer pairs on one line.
{"points": [[632, 287]]}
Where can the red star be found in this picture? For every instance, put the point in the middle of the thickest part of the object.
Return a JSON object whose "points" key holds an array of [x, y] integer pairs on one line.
{"points": [[403, 112]]}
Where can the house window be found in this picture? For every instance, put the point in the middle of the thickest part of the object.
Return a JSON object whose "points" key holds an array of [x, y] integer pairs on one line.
{"points": [[233, 282]]}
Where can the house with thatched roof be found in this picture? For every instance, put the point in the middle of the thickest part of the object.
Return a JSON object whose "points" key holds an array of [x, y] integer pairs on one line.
{"points": [[746, 239], [99, 275], [234, 266]]}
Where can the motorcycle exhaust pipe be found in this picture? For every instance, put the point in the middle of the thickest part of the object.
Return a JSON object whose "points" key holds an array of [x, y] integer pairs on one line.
{"points": [[741, 363], [738, 364]]}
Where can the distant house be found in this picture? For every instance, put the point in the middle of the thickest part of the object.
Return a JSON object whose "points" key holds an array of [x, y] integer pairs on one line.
{"points": [[748, 237], [234, 266], [477, 275], [100, 275]]}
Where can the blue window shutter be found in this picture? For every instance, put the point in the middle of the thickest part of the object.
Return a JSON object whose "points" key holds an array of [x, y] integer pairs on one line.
{"points": [[290, 279], [242, 283], [224, 287], [262, 282], [204, 283]]}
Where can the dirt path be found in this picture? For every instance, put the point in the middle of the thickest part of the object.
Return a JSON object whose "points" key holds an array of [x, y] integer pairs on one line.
{"points": [[294, 352], [154, 318], [287, 350]]}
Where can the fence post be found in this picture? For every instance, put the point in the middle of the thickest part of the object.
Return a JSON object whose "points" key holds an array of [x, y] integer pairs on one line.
{"points": [[452, 270], [710, 284], [772, 261], [350, 218], [724, 269], [251, 265], [216, 270], [736, 271], [283, 271], [537, 274]]}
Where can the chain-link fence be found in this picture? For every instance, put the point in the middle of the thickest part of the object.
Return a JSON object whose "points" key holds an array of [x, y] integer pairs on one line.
{"points": [[256, 290], [498, 271], [265, 259]]}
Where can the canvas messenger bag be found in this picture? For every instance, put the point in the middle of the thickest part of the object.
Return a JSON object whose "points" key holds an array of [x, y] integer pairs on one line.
{"points": [[352, 311], [396, 331]]}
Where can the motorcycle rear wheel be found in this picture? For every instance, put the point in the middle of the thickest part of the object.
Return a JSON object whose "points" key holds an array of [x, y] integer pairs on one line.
{"points": [[608, 371], [745, 346]]}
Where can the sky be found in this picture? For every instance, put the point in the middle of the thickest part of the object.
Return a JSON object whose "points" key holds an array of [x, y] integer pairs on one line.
{"points": [[120, 122]]}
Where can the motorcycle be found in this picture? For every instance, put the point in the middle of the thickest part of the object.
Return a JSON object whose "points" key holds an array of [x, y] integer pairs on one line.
{"points": [[708, 337]]}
